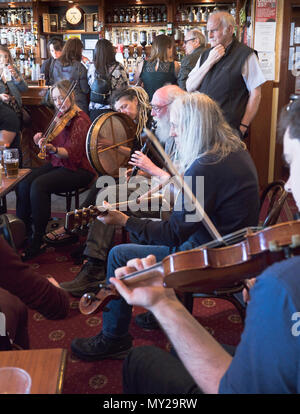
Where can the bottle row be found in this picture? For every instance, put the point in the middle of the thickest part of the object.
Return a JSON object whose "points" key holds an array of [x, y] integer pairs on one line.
{"points": [[145, 37], [185, 13], [200, 13], [19, 38], [12, 17], [138, 15]]}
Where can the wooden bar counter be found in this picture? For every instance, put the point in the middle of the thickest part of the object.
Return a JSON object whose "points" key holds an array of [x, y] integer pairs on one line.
{"points": [[39, 117]]}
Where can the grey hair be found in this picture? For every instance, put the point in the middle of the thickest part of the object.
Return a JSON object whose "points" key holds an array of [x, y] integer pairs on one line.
{"points": [[202, 129], [197, 33], [225, 18]]}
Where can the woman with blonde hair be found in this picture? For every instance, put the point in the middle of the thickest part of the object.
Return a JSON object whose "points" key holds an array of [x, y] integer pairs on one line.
{"points": [[160, 69], [66, 169], [68, 66]]}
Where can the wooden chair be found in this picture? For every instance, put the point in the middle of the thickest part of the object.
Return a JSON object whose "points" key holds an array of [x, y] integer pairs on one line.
{"points": [[272, 200]]}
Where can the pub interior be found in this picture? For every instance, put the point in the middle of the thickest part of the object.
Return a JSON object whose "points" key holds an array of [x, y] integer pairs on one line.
{"points": [[42, 39]]}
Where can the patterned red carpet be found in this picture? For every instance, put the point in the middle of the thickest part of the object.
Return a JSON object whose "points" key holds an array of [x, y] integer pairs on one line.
{"points": [[105, 377]]}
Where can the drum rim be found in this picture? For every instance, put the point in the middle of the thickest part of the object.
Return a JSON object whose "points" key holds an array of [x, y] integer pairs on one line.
{"points": [[129, 126]]}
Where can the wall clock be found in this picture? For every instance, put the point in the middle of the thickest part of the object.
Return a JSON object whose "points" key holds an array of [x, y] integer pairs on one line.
{"points": [[74, 15]]}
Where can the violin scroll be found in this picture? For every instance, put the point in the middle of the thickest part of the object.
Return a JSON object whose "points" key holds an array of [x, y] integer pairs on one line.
{"points": [[89, 302]]}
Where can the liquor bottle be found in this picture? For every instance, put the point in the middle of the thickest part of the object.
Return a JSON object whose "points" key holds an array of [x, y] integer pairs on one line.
{"points": [[116, 16], [158, 15], [143, 38], [170, 29], [146, 17], [3, 18], [198, 15], [133, 16], [205, 14], [139, 16], [121, 16], [190, 14], [127, 16], [183, 15], [233, 11], [178, 15], [95, 22], [152, 15], [164, 15]]}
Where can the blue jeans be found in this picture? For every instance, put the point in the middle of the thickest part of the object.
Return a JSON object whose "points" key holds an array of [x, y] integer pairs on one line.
{"points": [[117, 320]]}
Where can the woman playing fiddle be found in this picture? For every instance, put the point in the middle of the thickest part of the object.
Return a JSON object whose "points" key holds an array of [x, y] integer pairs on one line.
{"points": [[67, 167]]}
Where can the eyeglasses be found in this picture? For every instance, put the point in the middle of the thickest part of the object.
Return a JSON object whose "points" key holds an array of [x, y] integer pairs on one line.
{"points": [[188, 40], [158, 109]]}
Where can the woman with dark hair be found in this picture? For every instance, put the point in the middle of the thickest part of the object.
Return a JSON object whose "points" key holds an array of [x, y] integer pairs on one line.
{"points": [[68, 66], [55, 46], [11, 86], [160, 69], [104, 75], [67, 168]]}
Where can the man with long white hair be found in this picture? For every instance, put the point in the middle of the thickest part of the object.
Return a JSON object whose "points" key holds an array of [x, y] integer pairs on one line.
{"points": [[207, 148], [229, 73], [100, 236]]}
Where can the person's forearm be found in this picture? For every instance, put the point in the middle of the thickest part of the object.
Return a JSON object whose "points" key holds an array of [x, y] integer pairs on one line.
{"points": [[252, 106], [201, 354], [196, 77], [61, 153]]}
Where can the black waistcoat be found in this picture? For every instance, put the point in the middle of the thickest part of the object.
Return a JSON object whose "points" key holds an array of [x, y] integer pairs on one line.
{"points": [[224, 82]]}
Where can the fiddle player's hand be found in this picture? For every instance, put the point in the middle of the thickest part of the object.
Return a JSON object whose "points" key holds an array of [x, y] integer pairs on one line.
{"points": [[53, 282], [115, 217], [246, 291], [146, 293], [37, 137]]}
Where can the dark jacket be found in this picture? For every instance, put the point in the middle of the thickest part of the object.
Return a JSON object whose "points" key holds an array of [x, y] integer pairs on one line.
{"points": [[231, 201], [77, 71], [187, 64]]}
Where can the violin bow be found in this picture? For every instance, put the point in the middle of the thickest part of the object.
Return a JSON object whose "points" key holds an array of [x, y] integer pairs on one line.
{"points": [[179, 181]]}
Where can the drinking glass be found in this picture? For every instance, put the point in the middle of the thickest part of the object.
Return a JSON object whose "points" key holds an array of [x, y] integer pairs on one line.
{"points": [[14, 380], [11, 162], [42, 81]]}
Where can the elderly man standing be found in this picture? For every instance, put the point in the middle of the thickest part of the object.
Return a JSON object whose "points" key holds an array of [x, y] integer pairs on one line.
{"points": [[194, 46], [229, 73]]}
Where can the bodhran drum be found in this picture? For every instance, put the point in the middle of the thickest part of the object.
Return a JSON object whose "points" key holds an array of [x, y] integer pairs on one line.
{"points": [[106, 134]]}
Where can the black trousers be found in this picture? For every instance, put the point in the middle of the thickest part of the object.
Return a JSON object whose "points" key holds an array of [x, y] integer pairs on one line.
{"points": [[151, 370], [34, 193]]}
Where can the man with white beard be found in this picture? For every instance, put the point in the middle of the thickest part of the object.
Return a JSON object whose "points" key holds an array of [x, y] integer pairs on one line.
{"points": [[100, 236]]}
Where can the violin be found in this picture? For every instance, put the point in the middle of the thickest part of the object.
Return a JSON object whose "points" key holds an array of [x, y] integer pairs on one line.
{"points": [[206, 268], [59, 122]]}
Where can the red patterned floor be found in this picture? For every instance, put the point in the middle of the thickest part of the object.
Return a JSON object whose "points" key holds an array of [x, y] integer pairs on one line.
{"points": [[104, 377]]}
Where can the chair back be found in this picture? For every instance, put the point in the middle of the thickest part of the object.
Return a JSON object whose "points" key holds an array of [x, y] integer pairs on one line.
{"points": [[272, 200]]}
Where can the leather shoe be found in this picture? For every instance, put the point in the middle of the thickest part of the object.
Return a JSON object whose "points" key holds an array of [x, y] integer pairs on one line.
{"points": [[87, 280], [101, 347]]}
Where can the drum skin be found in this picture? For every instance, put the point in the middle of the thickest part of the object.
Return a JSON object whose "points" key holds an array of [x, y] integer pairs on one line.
{"points": [[113, 128]]}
